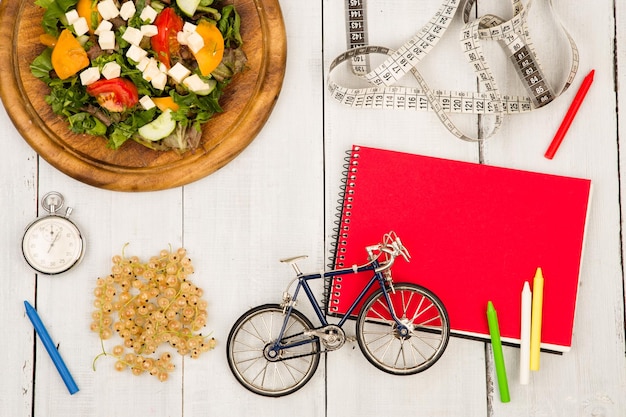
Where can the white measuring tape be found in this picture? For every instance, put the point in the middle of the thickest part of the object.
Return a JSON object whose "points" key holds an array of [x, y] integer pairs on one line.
{"points": [[383, 93]]}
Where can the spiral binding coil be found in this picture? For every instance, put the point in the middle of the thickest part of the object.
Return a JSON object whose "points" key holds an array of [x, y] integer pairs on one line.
{"points": [[340, 231]]}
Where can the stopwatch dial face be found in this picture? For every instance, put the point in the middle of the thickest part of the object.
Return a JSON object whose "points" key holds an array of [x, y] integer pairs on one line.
{"points": [[52, 245]]}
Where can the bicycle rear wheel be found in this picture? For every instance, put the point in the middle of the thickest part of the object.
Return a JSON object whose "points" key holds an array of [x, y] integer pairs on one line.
{"points": [[381, 340], [253, 365]]}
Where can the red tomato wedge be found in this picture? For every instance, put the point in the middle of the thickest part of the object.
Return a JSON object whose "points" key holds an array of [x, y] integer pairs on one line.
{"points": [[115, 95], [165, 41]]}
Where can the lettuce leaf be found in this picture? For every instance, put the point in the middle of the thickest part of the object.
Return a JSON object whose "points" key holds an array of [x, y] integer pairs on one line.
{"points": [[54, 14], [42, 65]]}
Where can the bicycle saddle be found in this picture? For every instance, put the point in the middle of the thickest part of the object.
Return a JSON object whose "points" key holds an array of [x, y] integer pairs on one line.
{"points": [[294, 259]]}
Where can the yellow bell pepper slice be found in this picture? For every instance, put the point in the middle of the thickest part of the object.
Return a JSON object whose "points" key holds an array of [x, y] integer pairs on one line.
{"points": [[68, 56], [164, 103], [89, 10], [210, 56], [48, 40]]}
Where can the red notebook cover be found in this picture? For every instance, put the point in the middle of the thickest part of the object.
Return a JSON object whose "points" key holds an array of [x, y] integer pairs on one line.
{"points": [[475, 233]]}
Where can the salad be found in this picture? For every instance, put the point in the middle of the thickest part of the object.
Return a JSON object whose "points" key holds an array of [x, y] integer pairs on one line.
{"points": [[151, 71]]}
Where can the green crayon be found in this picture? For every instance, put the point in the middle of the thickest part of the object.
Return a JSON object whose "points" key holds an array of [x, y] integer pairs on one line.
{"points": [[498, 357]]}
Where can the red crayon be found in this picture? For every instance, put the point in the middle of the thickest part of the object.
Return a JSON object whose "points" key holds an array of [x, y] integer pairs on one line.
{"points": [[569, 116]]}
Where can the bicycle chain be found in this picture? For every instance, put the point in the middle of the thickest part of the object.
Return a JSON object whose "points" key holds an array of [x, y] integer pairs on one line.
{"points": [[302, 355]]}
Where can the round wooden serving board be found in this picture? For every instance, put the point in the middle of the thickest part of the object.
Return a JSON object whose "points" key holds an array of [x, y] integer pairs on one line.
{"points": [[247, 103]]}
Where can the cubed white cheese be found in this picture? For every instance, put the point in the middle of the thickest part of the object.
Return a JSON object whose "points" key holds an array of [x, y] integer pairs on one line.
{"points": [[189, 27], [136, 54], [196, 84], [151, 70], [106, 40], [195, 42], [181, 37], [147, 103], [111, 70], [71, 16], [163, 68], [148, 14], [132, 36], [127, 10], [104, 26], [108, 10], [159, 81], [143, 64], [80, 26], [149, 30], [178, 72], [90, 76]]}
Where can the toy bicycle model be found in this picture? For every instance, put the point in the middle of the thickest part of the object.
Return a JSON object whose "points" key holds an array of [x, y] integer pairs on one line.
{"points": [[401, 328]]}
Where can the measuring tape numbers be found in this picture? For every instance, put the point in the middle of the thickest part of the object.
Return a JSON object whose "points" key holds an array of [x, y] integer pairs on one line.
{"points": [[384, 93], [357, 34]]}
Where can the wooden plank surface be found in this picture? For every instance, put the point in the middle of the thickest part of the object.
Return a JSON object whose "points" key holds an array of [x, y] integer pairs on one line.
{"points": [[277, 199], [569, 385]]}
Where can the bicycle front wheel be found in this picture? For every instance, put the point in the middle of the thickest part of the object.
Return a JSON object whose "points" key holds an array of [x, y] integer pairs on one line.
{"points": [[263, 371], [392, 350]]}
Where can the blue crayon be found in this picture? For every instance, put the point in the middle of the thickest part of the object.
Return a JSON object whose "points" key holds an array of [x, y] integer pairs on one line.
{"points": [[49, 345]]}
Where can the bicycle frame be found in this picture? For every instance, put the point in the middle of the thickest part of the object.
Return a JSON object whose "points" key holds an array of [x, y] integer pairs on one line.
{"points": [[401, 329], [304, 285]]}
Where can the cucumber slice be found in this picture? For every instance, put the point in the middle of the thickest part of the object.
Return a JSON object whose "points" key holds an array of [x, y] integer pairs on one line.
{"points": [[159, 128], [188, 6], [207, 87]]}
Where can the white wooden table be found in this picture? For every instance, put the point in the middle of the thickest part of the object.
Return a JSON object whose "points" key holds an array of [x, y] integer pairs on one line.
{"points": [[277, 199]]}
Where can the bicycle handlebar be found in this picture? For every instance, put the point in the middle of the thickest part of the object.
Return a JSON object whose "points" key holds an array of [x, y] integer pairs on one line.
{"points": [[392, 246]]}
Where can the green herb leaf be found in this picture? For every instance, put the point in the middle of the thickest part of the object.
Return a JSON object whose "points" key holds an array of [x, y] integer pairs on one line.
{"points": [[229, 25], [125, 129], [42, 65], [195, 110], [84, 122], [67, 98], [54, 14]]}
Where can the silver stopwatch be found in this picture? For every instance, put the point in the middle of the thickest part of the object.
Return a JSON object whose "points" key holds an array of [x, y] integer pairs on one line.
{"points": [[52, 244]]}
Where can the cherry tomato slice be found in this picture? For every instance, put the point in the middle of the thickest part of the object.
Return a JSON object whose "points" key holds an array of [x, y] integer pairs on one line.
{"points": [[116, 95], [165, 42]]}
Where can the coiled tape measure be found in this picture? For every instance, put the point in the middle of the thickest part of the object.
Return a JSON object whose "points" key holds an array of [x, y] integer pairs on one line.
{"points": [[384, 93]]}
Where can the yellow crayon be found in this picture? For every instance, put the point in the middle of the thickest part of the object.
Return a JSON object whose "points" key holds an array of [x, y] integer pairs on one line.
{"points": [[535, 325]]}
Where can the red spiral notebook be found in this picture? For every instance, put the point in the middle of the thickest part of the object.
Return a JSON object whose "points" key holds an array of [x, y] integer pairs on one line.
{"points": [[475, 233]]}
